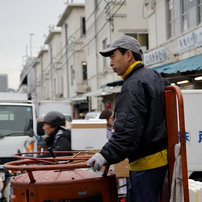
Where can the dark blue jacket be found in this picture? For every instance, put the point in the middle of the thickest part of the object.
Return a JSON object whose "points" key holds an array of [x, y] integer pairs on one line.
{"points": [[139, 118], [59, 140]]}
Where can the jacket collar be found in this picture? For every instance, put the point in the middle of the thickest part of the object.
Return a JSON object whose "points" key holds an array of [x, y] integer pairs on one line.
{"points": [[130, 69]]}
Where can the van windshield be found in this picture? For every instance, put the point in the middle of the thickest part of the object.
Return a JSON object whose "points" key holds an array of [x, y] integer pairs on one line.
{"points": [[15, 120]]}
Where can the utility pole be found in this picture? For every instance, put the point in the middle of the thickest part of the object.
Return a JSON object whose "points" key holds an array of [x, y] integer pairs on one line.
{"points": [[30, 40]]}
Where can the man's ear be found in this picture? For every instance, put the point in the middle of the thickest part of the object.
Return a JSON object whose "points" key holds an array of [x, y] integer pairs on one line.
{"points": [[129, 55]]}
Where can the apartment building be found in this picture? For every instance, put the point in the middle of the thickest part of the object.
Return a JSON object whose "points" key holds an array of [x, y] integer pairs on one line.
{"points": [[73, 56], [175, 39], [42, 78], [72, 68], [105, 22], [55, 69], [169, 33], [27, 78]]}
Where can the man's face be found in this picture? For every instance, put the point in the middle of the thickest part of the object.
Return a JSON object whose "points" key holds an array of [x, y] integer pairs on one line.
{"points": [[118, 62], [48, 129]]}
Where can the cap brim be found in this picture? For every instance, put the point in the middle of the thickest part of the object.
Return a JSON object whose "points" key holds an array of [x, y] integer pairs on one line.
{"points": [[107, 52]]}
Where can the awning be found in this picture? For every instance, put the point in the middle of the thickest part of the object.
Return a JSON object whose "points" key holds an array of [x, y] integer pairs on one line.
{"points": [[98, 93], [79, 99], [190, 64], [113, 83], [93, 93], [108, 90]]}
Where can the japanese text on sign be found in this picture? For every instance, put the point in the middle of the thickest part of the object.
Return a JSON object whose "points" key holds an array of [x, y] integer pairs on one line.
{"points": [[190, 41], [155, 56]]}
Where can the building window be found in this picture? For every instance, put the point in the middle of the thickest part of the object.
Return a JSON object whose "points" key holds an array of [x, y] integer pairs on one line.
{"points": [[189, 14], [200, 11], [142, 38], [183, 15], [72, 75], [62, 84], [174, 17], [97, 2], [84, 69], [54, 87], [66, 34], [83, 26], [104, 45]]}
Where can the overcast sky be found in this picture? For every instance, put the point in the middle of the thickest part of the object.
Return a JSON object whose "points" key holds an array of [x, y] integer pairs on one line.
{"points": [[18, 19]]}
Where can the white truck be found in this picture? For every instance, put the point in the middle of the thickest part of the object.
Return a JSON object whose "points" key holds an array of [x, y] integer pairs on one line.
{"points": [[193, 128], [17, 129], [45, 106]]}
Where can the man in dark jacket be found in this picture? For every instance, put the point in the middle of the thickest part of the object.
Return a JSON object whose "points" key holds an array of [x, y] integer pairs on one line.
{"points": [[59, 138], [139, 122]]}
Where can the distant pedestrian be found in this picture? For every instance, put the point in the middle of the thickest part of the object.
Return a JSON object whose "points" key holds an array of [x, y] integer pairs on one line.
{"points": [[108, 115]]}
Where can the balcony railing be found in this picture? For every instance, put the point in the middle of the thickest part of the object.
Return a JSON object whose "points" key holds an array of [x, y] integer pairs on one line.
{"points": [[74, 2]]}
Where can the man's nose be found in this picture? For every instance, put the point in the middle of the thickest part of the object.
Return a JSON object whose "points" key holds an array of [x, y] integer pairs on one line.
{"points": [[111, 63]]}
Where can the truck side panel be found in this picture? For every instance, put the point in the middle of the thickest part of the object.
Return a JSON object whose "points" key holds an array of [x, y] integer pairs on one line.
{"points": [[193, 127]]}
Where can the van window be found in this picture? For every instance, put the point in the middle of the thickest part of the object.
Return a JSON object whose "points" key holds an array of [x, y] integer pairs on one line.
{"points": [[15, 120]]}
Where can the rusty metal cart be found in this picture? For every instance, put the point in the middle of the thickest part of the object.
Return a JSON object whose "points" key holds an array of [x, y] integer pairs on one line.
{"points": [[62, 179]]}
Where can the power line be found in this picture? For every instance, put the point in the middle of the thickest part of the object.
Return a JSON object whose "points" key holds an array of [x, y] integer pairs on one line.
{"points": [[90, 28]]}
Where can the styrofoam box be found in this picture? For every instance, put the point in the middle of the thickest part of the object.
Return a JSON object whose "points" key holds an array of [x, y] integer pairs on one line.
{"points": [[195, 191], [88, 134]]}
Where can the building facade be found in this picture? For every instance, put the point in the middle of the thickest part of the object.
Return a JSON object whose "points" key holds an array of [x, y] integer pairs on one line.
{"points": [[105, 22], [175, 38], [71, 68], [54, 69], [3, 83]]}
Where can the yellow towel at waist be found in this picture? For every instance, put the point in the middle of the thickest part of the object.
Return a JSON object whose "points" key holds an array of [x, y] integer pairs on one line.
{"points": [[150, 162]]}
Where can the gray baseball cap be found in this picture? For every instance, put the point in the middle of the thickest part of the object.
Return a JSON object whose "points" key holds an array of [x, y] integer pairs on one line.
{"points": [[126, 42]]}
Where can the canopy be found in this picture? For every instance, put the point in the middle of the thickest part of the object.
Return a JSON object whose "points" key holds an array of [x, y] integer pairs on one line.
{"points": [[190, 64]]}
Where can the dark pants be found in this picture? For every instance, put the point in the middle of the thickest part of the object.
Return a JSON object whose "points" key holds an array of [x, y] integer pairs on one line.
{"points": [[146, 186]]}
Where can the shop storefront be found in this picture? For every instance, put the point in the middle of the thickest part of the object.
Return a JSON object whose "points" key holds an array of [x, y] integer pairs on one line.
{"points": [[185, 73]]}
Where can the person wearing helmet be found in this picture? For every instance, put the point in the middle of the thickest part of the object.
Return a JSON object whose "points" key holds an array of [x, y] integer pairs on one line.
{"points": [[59, 138]]}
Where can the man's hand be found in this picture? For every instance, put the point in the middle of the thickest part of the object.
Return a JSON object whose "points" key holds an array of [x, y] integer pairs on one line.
{"points": [[96, 161]]}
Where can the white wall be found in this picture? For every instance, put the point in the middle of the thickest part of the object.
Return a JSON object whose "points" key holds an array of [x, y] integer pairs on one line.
{"points": [[158, 35], [76, 51]]}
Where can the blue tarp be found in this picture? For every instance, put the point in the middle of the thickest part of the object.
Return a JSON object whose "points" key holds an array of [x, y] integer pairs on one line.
{"points": [[190, 64]]}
